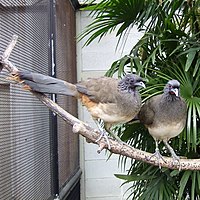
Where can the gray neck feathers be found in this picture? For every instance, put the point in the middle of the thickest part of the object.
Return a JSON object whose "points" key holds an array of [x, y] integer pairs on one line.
{"points": [[169, 97]]}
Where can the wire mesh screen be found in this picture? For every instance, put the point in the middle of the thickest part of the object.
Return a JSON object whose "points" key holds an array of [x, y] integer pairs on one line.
{"points": [[68, 145], [24, 122]]}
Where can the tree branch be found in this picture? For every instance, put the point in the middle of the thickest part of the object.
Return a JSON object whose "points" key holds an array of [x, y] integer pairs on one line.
{"points": [[5, 63], [90, 133]]}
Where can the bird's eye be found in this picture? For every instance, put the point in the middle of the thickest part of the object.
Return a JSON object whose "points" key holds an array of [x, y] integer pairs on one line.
{"points": [[127, 80], [170, 86]]}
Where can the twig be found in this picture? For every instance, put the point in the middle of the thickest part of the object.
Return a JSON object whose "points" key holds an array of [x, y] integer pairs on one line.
{"points": [[90, 134], [4, 58]]}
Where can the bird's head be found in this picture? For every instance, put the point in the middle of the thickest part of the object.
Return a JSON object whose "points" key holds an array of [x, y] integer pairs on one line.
{"points": [[130, 82], [172, 88]]}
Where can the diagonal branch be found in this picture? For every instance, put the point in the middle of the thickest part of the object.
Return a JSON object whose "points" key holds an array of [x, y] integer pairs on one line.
{"points": [[90, 133], [4, 62]]}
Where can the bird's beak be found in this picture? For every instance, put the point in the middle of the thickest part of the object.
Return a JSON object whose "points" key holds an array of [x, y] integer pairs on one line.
{"points": [[175, 91], [140, 84]]}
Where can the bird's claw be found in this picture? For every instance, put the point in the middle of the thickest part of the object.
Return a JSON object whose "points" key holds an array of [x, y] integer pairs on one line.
{"points": [[176, 161], [175, 158], [105, 135], [158, 157]]}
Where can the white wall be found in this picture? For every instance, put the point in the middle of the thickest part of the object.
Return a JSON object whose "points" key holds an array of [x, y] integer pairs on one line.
{"points": [[98, 181]]}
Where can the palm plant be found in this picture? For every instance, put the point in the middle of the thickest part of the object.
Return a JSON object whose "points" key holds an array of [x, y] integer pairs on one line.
{"points": [[169, 49]]}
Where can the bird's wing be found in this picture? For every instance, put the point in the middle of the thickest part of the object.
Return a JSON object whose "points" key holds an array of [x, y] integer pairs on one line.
{"points": [[103, 89], [147, 112]]}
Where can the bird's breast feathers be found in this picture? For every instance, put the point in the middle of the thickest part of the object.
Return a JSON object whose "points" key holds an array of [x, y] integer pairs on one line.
{"points": [[109, 113], [166, 131]]}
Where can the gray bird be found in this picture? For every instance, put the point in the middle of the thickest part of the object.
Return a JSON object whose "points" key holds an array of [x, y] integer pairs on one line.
{"points": [[111, 100], [164, 116]]}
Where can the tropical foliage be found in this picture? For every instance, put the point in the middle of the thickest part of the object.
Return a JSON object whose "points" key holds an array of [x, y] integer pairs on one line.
{"points": [[169, 49]]}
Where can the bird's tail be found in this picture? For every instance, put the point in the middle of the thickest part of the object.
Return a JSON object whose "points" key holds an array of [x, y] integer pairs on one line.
{"points": [[46, 84]]}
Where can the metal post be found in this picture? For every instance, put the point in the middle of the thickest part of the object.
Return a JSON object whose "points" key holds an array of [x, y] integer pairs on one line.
{"points": [[53, 116]]}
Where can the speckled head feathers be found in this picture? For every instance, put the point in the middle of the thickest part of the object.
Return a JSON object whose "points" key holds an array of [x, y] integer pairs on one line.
{"points": [[172, 88], [174, 83], [130, 82]]}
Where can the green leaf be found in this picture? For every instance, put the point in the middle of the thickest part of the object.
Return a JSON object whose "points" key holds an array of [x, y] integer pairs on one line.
{"points": [[175, 173], [196, 68], [122, 64], [194, 126], [183, 183], [193, 185], [198, 179], [190, 50], [190, 58], [189, 116], [133, 177]]}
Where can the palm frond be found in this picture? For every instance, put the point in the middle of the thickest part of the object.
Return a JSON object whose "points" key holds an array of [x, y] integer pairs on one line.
{"points": [[169, 49]]}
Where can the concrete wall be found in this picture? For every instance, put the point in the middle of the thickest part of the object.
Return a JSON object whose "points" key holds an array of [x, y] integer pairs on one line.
{"points": [[98, 180]]}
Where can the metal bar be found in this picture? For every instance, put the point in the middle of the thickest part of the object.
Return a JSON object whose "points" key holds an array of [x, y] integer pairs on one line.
{"points": [[70, 185], [53, 116]]}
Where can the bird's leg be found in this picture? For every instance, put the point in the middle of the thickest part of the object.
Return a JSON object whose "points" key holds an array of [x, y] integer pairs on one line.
{"points": [[112, 134], [157, 154], [171, 150], [103, 134]]}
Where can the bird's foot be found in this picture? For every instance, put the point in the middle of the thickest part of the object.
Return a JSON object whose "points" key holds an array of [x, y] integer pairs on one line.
{"points": [[176, 161], [158, 157], [105, 135]]}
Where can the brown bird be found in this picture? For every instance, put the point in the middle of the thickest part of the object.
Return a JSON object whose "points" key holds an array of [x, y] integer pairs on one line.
{"points": [[165, 116], [111, 100]]}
